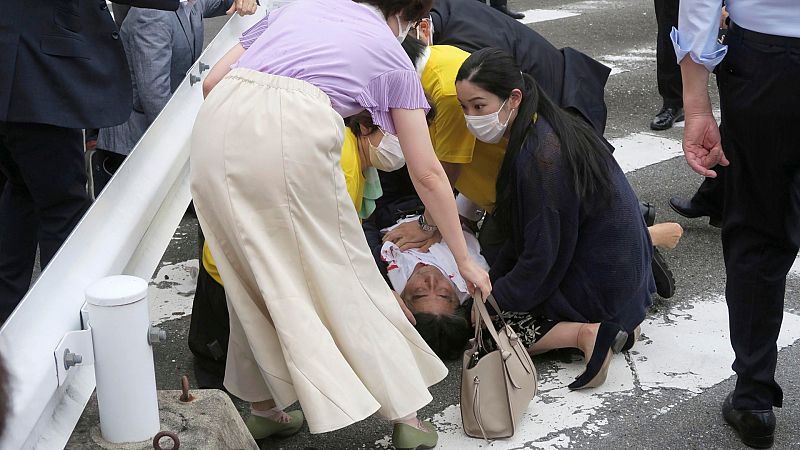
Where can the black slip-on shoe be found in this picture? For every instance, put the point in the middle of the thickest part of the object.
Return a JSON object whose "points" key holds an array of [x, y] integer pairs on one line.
{"points": [[666, 118], [691, 210], [756, 427]]}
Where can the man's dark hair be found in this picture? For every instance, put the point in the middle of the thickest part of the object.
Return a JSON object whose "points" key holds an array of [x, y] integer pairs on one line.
{"points": [[414, 10], [414, 48], [447, 335]]}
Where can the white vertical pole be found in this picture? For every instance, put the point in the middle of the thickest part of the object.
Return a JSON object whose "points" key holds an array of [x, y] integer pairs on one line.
{"points": [[126, 381]]}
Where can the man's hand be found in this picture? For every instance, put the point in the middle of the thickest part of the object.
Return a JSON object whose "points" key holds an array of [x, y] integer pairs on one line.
{"points": [[701, 140], [702, 144], [406, 311], [409, 235], [243, 7]]}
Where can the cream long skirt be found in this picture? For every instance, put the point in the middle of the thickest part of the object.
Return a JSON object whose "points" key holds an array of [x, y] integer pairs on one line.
{"points": [[311, 317]]}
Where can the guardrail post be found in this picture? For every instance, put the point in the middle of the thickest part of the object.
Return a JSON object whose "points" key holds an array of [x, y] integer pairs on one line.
{"points": [[124, 368]]}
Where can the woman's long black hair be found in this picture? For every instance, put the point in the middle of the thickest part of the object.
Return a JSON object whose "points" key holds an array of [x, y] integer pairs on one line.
{"points": [[584, 154]]}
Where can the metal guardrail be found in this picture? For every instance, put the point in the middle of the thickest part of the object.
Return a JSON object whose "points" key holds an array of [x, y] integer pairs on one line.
{"points": [[126, 231]]}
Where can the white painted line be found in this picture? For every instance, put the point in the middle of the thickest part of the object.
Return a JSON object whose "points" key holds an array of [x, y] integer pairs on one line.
{"points": [[631, 60], [683, 353], [542, 15], [171, 292], [590, 5], [643, 149]]}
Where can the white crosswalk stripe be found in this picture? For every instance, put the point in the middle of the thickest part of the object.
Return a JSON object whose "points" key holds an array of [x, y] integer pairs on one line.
{"points": [[542, 15]]}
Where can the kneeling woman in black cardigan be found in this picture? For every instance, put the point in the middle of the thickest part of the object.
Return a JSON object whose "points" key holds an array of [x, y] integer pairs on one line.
{"points": [[577, 254]]}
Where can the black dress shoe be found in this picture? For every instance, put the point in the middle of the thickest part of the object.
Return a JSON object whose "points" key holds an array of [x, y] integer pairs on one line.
{"points": [[756, 427], [666, 118], [691, 210], [665, 281], [504, 9]]}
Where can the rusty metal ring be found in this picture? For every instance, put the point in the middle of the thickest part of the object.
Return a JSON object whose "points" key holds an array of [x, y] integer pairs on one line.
{"points": [[176, 443]]}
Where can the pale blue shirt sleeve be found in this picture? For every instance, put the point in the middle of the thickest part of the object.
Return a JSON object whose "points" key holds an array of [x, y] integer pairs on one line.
{"points": [[696, 35]]}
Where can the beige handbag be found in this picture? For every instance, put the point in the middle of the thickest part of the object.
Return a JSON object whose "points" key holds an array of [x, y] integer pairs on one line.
{"points": [[496, 384]]}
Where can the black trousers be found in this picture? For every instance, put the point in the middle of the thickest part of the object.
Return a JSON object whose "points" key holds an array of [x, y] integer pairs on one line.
{"points": [[209, 328], [44, 198], [758, 95], [668, 72], [711, 193]]}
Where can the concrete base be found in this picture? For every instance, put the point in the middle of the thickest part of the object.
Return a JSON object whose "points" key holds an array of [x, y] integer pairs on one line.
{"points": [[209, 422]]}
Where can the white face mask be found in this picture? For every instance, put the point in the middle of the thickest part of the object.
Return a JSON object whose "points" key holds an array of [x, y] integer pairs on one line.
{"points": [[488, 128], [403, 32], [387, 156]]}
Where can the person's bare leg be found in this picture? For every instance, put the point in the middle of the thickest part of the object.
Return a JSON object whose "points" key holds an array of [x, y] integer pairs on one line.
{"points": [[568, 335], [263, 406], [666, 235]]}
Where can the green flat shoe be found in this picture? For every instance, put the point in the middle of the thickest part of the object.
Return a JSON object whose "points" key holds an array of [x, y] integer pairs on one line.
{"points": [[406, 437], [261, 427]]}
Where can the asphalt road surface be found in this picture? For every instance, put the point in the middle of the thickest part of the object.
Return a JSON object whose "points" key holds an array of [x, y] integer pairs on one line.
{"points": [[667, 391]]}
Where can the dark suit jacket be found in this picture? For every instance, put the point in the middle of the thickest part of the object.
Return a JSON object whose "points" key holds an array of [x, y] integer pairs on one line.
{"points": [[62, 64], [569, 77]]}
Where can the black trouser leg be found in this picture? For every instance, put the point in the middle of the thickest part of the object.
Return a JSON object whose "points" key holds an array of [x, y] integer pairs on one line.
{"points": [[44, 199], [758, 91], [711, 193], [498, 2], [209, 328], [668, 72]]}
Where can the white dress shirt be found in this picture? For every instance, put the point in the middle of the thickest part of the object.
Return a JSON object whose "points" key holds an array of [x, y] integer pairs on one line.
{"points": [[402, 264], [698, 25]]}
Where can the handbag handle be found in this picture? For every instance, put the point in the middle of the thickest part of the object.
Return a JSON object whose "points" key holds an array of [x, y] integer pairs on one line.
{"points": [[483, 316]]}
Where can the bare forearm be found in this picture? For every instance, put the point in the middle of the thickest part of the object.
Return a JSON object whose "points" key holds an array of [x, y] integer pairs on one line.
{"points": [[221, 68], [429, 179], [695, 88], [440, 208]]}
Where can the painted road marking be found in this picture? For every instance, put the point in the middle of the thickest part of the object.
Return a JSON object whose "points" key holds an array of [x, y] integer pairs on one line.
{"points": [[571, 10], [631, 60], [684, 352], [171, 291], [644, 149], [542, 15]]}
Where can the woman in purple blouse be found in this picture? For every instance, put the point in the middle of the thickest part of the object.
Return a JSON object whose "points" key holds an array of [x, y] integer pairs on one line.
{"points": [[311, 317]]}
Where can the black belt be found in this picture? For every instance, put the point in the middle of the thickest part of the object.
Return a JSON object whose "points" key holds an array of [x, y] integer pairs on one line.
{"points": [[762, 38]]}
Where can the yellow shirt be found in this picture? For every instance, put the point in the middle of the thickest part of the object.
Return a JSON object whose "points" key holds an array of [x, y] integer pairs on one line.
{"points": [[451, 139], [478, 178], [450, 136], [351, 166]]}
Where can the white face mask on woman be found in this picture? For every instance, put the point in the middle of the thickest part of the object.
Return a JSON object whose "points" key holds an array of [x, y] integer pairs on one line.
{"points": [[387, 156], [403, 32], [488, 128]]}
